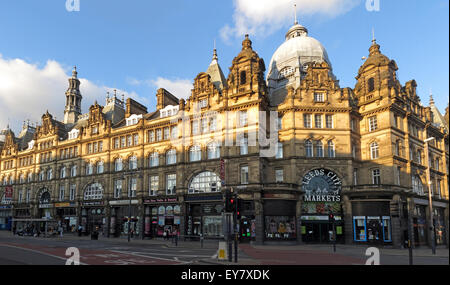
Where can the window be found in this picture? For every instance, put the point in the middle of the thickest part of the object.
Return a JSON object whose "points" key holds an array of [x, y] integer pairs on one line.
{"points": [[243, 118], [118, 166], [374, 151], [213, 124], [437, 164], [195, 153], [30, 177], [376, 176], [63, 173], [122, 141], [61, 193], [307, 121], [318, 121], [174, 132], [154, 185], [166, 133], [100, 167], [244, 174], [158, 135], [136, 139], [355, 176], [319, 97], [329, 121], [20, 196], [438, 188], [154, 159], [331, 149], [93, 192], [28, 196], [417, 185], [213, 150], [203, 103], [205, 182], [132, 187], [243, 77], [319, 149], [73, 171], [397, 148], [243, 146], [373, 124], [171, 157], [151, 136], [73, 191], [309, 148], [371, 84], [89, 169], [90, 148], [129, 141], [132, 162], [95, 147], [49, 175], [279, 175], [204, 126], [195, 129], [118, 188], [419, 156], [171, 184], [116, 143], [279, 151]]}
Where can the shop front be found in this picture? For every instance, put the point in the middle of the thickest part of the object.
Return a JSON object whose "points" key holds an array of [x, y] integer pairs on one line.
{"points": [[247, 222], [66, 214], [5, 217], [420, 225], [92, 217], [162, 215], [440, 227], [204, 216], [322, 197], [124, 218], [280, 220], [372, 222]]}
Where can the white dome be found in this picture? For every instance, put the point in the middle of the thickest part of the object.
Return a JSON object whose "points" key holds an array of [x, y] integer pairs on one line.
{"points": [[288, 64]]}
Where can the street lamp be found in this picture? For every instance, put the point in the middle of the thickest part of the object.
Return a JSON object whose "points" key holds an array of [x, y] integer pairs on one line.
{"points": [[430, 201], [130, 175]]}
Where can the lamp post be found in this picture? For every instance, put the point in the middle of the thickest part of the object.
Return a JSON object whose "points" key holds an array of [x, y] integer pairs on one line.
{"points": [[130, 174], [430, 196]]}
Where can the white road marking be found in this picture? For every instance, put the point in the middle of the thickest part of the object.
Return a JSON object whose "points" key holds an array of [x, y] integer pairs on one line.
{"points": [[146, 256]]}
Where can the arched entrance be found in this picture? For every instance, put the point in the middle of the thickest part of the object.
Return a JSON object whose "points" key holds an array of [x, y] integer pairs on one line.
{"points": [[322, 197]]}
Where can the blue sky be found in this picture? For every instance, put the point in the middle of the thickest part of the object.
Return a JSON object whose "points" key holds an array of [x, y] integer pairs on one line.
{"points": [[135, 46]]}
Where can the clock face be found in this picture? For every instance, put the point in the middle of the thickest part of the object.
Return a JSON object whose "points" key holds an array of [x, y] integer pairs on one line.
{"points": [[321, 182]]}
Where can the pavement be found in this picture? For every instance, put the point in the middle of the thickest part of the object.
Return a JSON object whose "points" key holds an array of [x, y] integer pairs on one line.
{"points": [[251, 254]]}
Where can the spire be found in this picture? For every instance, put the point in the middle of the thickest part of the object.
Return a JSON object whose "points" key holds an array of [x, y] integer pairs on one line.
{"points": [[374, 48], [214, 70], [431, 98], [73, 99], [74, 72], [295, 14], [215, 58]]}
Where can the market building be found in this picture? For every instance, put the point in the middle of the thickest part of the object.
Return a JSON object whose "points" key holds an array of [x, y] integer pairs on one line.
{"points": [[294, 146]]}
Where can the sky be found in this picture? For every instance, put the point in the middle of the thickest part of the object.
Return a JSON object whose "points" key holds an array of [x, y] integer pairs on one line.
{"points": [[139, 46]]}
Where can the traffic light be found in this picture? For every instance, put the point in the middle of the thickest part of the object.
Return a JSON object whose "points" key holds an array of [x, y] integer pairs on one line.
{"points": [[230, 202], [238, 209]]}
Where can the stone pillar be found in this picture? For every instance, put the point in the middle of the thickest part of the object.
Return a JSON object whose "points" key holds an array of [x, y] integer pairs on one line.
{"points": [[259, 217], [348, 219], [182, 227], [141, 214], [395, 222], [108, 218]]}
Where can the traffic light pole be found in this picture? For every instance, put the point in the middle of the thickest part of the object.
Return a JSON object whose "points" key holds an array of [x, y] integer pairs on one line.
{"points": [[236, 233]]}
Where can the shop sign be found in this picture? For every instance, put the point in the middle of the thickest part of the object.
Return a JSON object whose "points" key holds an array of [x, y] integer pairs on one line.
{"points": [[165, 200], [124, 202], [205, 198], [315, 218], [98, 203], [64, 205], [321, 185], [45, 206]]}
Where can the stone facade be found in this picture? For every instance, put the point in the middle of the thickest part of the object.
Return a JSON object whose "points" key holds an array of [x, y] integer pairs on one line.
{"points": [[119, 165]]}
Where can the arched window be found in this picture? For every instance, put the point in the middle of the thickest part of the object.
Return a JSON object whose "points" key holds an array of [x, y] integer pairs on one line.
{"points": [[309, 148], [205, 182], [132, 162], [100, 167], [171, 157], [319, 149], [213, 150], [118, 166], [195, 153], [154, 159], [417, 185], [93, 192], [331, 149], [374, 150]]}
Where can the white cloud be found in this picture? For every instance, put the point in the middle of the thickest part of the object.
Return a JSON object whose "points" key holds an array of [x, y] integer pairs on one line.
{"points": [[28, 91], [263, 17], [180, 88]]}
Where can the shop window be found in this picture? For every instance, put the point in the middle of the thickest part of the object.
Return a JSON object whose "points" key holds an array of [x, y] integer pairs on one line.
{"points": [[387, 235], [280, 228], [359, 229]]}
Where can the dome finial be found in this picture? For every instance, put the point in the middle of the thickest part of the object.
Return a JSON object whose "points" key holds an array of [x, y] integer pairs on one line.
{"points": [[374, 41], [74, 72], [431, 98], [247, 43], [215, 52]]}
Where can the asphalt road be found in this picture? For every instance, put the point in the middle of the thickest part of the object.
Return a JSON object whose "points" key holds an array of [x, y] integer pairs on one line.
{"points": [[19, 256]]}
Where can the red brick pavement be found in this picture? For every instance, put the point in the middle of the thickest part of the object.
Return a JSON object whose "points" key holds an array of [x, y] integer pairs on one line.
{"points": [[297, 257], [98, 257]]}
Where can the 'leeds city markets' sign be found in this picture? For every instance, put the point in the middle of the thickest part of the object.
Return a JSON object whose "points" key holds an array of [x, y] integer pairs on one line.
{"points": [[321, 185]]}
